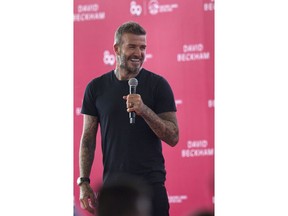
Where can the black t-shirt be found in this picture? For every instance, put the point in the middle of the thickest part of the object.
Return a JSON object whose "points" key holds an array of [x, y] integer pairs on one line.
{"points": [[129, 148]]}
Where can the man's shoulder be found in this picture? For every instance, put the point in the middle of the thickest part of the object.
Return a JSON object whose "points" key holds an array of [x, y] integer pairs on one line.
{"points": [[101, 78], [150, 74]]}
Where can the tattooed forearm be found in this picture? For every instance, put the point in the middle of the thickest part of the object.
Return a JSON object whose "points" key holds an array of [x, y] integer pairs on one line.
{"points": [[163, 125], [88, 145]]}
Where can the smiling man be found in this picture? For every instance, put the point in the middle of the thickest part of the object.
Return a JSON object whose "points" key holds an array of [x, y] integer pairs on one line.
{"points": [[130, 50], [133, 149]]}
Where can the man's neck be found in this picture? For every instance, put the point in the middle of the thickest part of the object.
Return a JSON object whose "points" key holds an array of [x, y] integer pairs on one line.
{"points": [[124, 75]]}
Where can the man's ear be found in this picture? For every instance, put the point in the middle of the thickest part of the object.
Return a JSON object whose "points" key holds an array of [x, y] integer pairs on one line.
{"points": [[116, 49]]}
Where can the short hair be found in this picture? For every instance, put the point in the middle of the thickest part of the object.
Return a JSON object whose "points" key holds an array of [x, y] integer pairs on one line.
{"points": [[128, 27]]}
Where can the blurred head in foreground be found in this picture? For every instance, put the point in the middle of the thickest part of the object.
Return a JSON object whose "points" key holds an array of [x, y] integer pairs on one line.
{"points": [[124, 196], [202, 213]]}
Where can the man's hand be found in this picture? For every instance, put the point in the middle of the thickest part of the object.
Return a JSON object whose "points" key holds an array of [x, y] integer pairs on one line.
{"points": [[134, 103], [164, 125], [88, 200]]}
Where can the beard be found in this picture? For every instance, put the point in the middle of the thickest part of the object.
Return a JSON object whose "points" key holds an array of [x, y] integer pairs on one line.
{"points": [[124, 64]]}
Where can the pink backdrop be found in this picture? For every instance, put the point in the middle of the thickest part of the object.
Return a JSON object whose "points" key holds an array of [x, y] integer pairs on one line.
{"points": [[180, 39]]}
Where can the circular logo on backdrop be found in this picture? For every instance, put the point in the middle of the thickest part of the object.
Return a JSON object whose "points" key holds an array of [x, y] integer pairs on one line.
{"points": [[135, 9], [153, 7], [109, 59]]}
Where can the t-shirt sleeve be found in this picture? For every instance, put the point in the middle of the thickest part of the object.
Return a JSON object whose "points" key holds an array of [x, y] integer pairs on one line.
{"points": [[89, 101], [164, 97]]}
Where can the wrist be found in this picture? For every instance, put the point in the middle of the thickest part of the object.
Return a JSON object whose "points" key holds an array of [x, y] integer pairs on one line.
{"points": [[144, 110], [82, 180]]}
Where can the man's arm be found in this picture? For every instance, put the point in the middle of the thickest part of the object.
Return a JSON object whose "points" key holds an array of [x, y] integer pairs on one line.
{"points": [[164, 125], [87, 144], [86, 158]]}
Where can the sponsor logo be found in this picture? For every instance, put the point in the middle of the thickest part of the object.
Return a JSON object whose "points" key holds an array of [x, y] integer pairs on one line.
{"points": [[135, 9], [88, 12], [152, 7], [193, 52], [177, 198], [197, 148], [108, 59], [208, 6]]}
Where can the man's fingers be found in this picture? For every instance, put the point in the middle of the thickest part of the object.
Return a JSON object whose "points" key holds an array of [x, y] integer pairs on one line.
{"points": [[91, 210], [93, 201], [85, 205]]}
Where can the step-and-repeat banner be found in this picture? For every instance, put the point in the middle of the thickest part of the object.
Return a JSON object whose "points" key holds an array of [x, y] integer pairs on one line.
{"points": [[180, 47]]}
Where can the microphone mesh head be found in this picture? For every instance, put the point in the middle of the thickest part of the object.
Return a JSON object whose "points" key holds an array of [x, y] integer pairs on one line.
{"points": [[133, 82]]}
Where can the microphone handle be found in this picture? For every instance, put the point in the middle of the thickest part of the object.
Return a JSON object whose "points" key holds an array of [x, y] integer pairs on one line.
{"points": [[132, 115], [132, 89]]}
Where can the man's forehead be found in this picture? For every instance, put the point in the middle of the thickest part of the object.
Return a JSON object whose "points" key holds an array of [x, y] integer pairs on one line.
{"points": [[128, 37]]}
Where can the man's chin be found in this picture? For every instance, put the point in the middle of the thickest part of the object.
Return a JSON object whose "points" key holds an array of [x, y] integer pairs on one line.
{"points": [[134, 70]]}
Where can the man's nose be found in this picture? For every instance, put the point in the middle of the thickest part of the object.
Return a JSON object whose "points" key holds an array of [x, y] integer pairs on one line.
{"points": [[138, 52]]}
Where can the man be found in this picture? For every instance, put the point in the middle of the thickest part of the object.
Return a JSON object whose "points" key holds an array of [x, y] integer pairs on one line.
{"points": [[133, 149]]}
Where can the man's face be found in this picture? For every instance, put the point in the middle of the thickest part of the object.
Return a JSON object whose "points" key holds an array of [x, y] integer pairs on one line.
{"points": [[132, 52]]}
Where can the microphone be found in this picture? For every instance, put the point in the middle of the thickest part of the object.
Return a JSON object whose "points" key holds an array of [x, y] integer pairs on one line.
{"points": [[133, 82]]}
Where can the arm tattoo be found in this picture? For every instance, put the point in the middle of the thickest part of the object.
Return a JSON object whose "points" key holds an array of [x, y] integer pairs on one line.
{"points": [[164, 125], [87, 145]]}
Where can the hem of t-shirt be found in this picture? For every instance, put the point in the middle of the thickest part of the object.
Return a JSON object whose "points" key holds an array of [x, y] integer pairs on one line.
{"points": [[86, 113], [165, 111]]}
